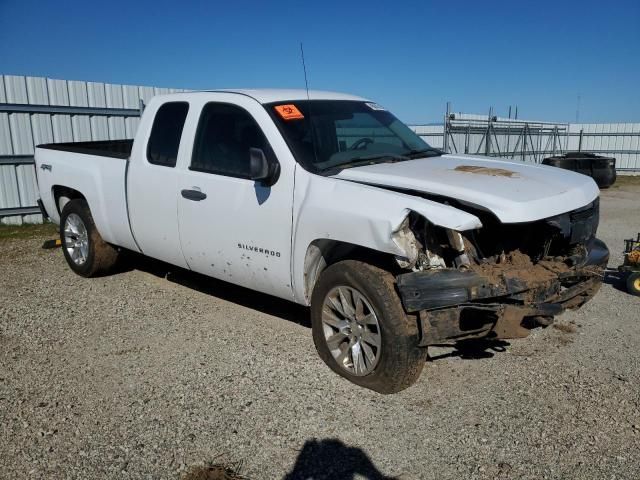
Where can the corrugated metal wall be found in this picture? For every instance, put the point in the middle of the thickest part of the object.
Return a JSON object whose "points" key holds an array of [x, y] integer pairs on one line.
{"points": [[432, 134], [20, 132], [619, 140]]}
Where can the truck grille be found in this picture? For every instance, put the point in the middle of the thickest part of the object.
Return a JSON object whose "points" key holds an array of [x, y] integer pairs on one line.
{"points": [[584, 222]]}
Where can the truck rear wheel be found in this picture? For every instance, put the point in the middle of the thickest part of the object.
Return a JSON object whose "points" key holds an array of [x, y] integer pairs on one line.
{"points": [[361, 330], [84, 249]]}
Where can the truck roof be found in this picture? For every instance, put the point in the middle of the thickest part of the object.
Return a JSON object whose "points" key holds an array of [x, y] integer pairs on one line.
{"points": [[269, 95]]}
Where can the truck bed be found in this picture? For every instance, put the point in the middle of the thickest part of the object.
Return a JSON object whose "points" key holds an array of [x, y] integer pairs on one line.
{"points": [[103, 148], [89, 169]]}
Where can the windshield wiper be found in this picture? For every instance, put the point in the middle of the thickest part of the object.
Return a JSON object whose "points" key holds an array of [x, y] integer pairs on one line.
{"points": [[372, 159], [425, 152], [391, 157]]}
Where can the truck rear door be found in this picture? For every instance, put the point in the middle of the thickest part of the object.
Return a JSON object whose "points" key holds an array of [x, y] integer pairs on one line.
{"points": [[152, 181], [232, 227]]}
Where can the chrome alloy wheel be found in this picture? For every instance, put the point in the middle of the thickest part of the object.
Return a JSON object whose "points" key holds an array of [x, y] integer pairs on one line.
{"points": [[76, 239], [351, 330]]}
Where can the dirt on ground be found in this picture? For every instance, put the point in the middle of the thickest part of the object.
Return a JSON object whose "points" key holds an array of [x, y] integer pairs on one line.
{"points": [[149, 372], [566, 327], [213, 472]]}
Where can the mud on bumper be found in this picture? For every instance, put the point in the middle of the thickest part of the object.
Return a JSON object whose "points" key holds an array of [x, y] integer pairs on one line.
{"points": [[456, 305]]}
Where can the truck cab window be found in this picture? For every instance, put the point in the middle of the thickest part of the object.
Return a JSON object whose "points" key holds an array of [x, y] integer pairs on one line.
{"points": [[330, 135], [166, 131], [223, 139]]}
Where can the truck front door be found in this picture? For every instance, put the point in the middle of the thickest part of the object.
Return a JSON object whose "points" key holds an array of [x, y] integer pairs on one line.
{"points": [[231, 227]]}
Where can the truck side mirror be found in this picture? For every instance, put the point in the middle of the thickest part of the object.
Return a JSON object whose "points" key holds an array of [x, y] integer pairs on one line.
{"points": [[261, 169]]}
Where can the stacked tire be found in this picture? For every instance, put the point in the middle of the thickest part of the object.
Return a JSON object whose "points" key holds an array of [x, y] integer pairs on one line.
{"points": [[601, 169]]}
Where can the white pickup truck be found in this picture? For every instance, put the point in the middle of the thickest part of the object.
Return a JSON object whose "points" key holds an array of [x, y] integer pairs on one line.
{"points": [[328, 200]]}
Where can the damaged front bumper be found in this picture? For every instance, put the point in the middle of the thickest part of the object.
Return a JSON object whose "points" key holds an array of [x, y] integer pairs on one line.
{"points": [[455, 305]]}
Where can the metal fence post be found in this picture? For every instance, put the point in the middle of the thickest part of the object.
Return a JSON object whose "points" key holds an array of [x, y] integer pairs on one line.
{"points": [[445, 142], [467, 136], [487, 142], [580, 140]]}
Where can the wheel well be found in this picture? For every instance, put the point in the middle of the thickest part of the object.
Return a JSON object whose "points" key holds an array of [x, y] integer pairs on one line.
{"points": [[323, 252], [62, 195]]}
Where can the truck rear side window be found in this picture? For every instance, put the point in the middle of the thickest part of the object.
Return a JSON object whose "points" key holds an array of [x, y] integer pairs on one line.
{"points": [[164, 140], [225, 135]]}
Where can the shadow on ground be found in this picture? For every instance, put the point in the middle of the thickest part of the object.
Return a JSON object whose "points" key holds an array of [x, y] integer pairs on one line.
{"points": [[227, 291], [331, 459], [472, 349], [616, 279], [328, 459], [467, 349]]}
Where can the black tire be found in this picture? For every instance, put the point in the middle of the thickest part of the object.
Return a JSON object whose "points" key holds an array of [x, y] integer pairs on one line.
{"points": [[401, 359], [633, 284], [101, 257]]}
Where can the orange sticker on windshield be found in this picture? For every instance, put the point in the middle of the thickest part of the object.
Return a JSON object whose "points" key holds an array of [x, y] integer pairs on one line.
{"points": [[289, 112]]}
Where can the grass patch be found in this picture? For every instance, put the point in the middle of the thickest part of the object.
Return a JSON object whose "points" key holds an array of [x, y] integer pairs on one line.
{"points": [[627, 181], [45, 230]]}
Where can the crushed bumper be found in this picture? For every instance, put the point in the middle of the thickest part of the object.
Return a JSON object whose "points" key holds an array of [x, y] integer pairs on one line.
{"points": [[455, 305]]}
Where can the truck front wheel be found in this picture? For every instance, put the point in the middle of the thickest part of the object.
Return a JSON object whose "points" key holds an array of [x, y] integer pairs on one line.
{"points": [[361, 330], [84, 249]]}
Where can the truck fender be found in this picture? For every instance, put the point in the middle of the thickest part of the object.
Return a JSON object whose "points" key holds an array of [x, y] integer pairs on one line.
{"points": [[359, 215]]}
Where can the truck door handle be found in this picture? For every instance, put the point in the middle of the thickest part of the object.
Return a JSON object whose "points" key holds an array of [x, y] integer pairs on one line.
{"points": [[195, 195]]}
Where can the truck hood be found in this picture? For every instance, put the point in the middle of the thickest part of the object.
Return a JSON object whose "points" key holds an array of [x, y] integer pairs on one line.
{"points": [[513, 191]]}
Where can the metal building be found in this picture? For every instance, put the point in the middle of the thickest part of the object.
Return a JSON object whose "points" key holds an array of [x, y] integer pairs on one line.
{"points": [[35, 110]]}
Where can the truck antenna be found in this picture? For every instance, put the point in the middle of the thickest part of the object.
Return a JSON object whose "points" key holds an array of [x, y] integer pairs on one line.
{"points": [[306, 85], [304, 68]]}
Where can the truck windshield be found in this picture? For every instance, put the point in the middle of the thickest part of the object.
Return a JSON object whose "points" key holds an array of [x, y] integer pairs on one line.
{"points": [[326, 136]]}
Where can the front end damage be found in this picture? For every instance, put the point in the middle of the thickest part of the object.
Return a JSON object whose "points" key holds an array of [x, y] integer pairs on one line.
{"points": [[501, 280]]}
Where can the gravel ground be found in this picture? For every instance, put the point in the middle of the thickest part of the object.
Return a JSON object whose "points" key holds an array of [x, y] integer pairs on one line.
{"points": [[144, 374]]}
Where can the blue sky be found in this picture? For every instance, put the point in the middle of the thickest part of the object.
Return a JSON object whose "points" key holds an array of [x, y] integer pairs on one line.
{"points": [[412, 57]]}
